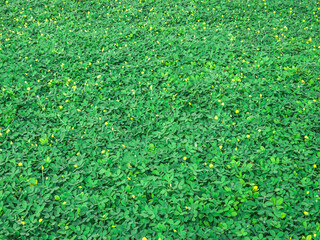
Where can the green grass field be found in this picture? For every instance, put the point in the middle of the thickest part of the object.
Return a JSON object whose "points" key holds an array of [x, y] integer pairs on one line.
{"points": [[159, 119]]}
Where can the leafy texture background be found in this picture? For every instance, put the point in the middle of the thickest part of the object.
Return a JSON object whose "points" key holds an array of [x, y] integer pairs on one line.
{"points": [[159, 119]]}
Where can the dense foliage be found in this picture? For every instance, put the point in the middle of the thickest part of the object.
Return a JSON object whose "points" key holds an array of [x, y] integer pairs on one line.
{"points": [[159, 119]]}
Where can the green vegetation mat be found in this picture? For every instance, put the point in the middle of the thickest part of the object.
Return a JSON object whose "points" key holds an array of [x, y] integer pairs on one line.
{"points": [[159, 119]]}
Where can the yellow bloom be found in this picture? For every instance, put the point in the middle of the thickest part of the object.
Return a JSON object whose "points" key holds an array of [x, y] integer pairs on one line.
{"points": [[308, 192], [20, 164], [133, 196], [8, 131], [23, 223], [234, 123], [144, 238], [248, 136], [103, 151], [306, 137], [64, 203], [220, 146], [315, 165], [99, 76], [216, 117], [306, 213], [174, 230], [106, 123], [189, 103], [237, 111], [60, 107], [113, 226], [80, 187], [211, 165], [28, 89], [184, 158], [255, 188], [75, 166], [40, 220]]}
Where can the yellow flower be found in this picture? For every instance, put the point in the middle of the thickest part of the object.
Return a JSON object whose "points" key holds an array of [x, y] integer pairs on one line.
{"points": [[106, 123], [144, 238], [306, 213], [23, 223], [133, 196], [20, 164], [220, 146], [255, 188], [306, 137], [174, 230], [28, 89], [8, 131], [314, 165], [80, 187], [216, 117], [237, 111], [103, 151], [60, 107], [40, 220], [308, 192], [64, 203], [234, 123], [260, 95], [142, 72], [184, 158], [75, 166], [113, 226], [78, 153], [248, 136], [211, 165], [189, 103], [99, 76]]}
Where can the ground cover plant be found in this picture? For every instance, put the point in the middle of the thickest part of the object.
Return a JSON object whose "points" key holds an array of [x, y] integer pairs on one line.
{"points": [[159, 119]]}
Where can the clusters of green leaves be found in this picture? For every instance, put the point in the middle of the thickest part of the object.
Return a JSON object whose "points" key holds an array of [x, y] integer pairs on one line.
{"points": [[159, 119]]}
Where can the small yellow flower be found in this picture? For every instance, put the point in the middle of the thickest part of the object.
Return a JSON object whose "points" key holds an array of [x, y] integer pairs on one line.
{"points": [[255, 188], [142, 72], [28, 89], [306, 137], [260, 95], [64, 203], [42, 167], [314, 165], [306, 213], [189, 103], [248, 136], [113, 226], [106, 123], [89, 63], [60, 107], [23, 223], [99, 76], [174, 230], [220, 146], [133, 196], [80, 187], [144, 238], [211, 165], [237, 111], [274, 132], [184, 158], [216, 117], [20, 164], [75, 166], [308, 192], [40, 220], [233, 123], [8, 131], [78, 153]]}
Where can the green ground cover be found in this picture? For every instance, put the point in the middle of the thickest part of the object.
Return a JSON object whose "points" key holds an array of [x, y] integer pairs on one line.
{"points": [[159, 119]]}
